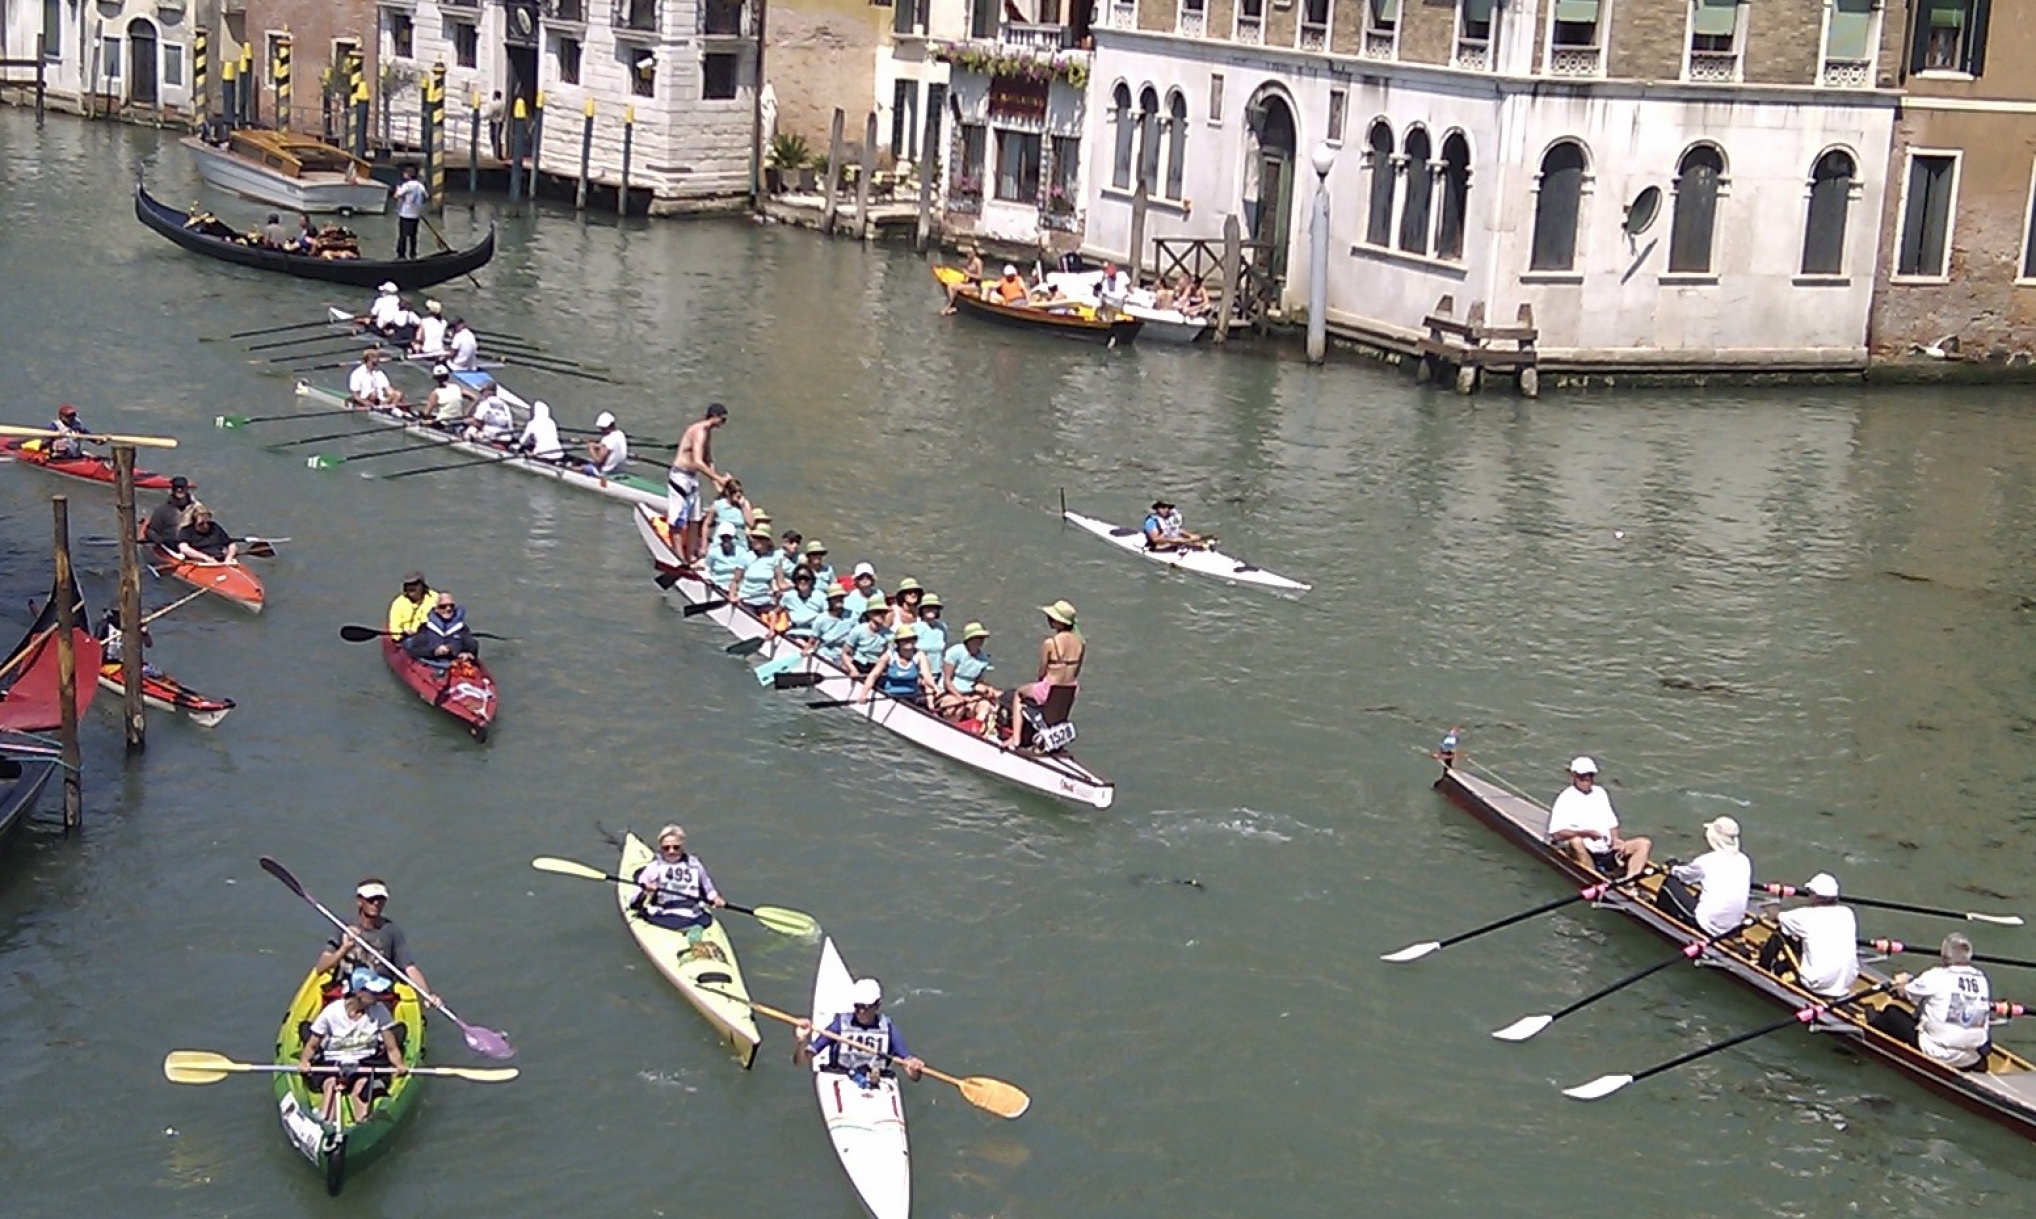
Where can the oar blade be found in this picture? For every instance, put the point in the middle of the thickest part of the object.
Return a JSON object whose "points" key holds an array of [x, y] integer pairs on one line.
{"points": [[359, 634], [1413, 952], [691, 611], [1599, 1088], [477, 1075], [1999, 920], [229, 421], [795, 681], [788, 922], [567, 867], [487, 1042], [196, 1067], [1523, 1028], [995, 1096], [320, 461], [745, 647]]}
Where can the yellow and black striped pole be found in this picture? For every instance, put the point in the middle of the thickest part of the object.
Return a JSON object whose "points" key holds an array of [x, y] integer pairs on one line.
{"points": [[229, 90], [201, 70], [357, 78], [435, 103], [280, 69], [628, 145], [519, 117], [250, 86]]}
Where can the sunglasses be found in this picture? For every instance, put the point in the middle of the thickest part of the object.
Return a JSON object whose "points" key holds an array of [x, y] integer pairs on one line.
{"points": [[670, 847], [373, 901]]}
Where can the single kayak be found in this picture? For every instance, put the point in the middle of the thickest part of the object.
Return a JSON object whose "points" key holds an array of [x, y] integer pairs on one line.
{"points": [[234, 582], [166, 693], [1204, 561], [463, 689], [348, 1146], [699, 969], [92, 469], [865, 1121]]}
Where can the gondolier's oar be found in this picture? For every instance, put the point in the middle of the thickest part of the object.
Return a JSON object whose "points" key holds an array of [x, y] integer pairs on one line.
{"points": [[1528, 1026], [1605, 1085], [206, 1067], [1589, 893], [777, 918], [446, 247], [145, 442], [458, 465], [2003, 920], [361, 634], [237, 421], [1897, 947], [483, 1041], [321, 461], [249, 334], [1006, 1100]]}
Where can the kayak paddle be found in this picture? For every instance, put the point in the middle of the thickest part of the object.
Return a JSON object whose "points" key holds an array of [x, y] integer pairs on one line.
{"points": [[206, 1067], [777, 918]]}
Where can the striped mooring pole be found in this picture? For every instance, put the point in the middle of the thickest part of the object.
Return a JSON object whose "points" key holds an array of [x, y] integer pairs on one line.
{"points": [[519, 115], [201, 71], [229, 90], [250, 87], [434, 123], [280, 69], [357, 95]]}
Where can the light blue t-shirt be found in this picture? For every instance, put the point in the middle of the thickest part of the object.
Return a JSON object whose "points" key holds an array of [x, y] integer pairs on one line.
{"points": [[932, 639], [757, 576], [805, 611], [721, 568], [866, 645], [832, 632], [967, 669]]}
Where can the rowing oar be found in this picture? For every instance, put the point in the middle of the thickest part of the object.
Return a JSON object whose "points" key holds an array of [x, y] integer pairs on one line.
{"points": [[294, 356], [520, 361], [260, 548], [1605, 1085], [319, 461], [1528, 1026], [458, 465], [361, 634], [1589, 893], [181, 601], [483, 1041], [2004, 920], [990, 1095], [206, 1067], [301, 440], [235, 421], [145, 442], [297, 342], [777, 918], [249, 334], [1897, 947]]}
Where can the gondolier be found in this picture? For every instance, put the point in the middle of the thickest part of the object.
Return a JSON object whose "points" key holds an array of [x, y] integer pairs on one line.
{"points": [[1581, 822], [343, 954], [692, 458], [411, 198], [676, 892], [869, 1046]]}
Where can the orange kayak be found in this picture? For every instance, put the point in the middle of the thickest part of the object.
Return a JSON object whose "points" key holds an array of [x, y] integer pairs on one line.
{"points": [[166, 693], [235, 581]]}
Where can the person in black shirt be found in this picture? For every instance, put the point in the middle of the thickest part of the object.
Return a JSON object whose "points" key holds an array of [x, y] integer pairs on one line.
{"points": [[204, 539], [170, 516]]}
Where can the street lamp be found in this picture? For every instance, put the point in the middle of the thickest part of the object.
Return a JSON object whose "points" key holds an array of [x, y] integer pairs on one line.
{"points": [[1324, 160]]}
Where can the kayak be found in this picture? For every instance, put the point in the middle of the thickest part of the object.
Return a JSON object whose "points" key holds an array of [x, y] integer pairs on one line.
{"points": [[463, 690], [867, 1124], [234, 582], [1207, 562], [90, 468], [697, 970], [337, 1151], [166, 693]]}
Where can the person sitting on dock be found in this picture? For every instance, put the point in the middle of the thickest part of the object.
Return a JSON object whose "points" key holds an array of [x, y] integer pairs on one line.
{"points": [[367, 386], [204, 540], [491, 421], [540, 435], [1011, 289], [345, 953], [1953, 1009], [964, 696], [674, 890], [465, 346], [274, 235], [608, 452], [868, 1042], [1163, 530], [971, 280], [1820, 941], [1723, 876], [443, 636], [65, 445], [170, 516], [350, 1039], [429, 341], [411, 606], [1582, 823]]}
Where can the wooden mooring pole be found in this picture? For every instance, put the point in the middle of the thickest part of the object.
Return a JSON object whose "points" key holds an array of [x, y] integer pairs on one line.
{"points": [[628, 145], [131, 643], [833, 172], [67, 665], [586, 157], [864, 173], [1233, 251]]}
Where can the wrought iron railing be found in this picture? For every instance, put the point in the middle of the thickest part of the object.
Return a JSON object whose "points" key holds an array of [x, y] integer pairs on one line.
{"points": [[1036, 36]]}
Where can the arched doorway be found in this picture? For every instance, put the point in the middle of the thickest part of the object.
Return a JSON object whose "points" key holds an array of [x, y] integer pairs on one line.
{"points": [[1269, 177], [141, 62]]}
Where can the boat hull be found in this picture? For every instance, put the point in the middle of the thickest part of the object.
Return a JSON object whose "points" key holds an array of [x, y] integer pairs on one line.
{"points": [[339, 1154], [1075, 323], [314, 192], [1201, 562], [865, 1124], [465, 691], [29, 682], [232, 582], [697, 971], [165, 693], [86, 469], [24, 772]]}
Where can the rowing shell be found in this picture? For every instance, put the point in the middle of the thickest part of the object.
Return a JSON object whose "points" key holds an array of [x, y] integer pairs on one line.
{"points": [[705, 973], [1202, 562], [866, 1124], [166, 693], [1056, 774]]}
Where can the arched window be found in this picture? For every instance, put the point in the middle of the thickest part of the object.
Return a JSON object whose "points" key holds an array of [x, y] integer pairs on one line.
{"points": [[1830, 199], [1148, 138], [1559, 196], [1696, 210], [1176, 143], [1414, 212], [1120, 113], [1378, 225], [1455, 196]]}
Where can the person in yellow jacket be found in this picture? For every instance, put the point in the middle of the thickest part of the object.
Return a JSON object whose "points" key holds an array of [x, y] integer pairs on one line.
{"points": [[411, 606]]}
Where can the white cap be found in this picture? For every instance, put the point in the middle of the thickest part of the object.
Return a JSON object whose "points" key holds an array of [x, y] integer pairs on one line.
{"points": [[864, 569], [1823, 884], [1722, 834], [604, 420], [387, 286], [1009, 269], [433, 307], [867, 993], [1583, 766], [372, 889], [440, 370]]}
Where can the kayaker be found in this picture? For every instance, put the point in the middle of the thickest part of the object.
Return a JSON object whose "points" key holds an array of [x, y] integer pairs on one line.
{"points": [[816, 558], [833, 628], [932, 635], [367, 386], [756, 587], [804, 604], [491, 421], [871, 638], [464, 345], [864, 591], [443, 636], [1163, 529], [411, 606], [430, 337], [170, 516], [1060, 664], [540, 435], [344, 954], [65, 445], [446, 401], [1581, 821], [676, 891], [901, 672], [905, 601], [870, 1043], [1723, 876], [204, 540], [352, 1038], [387, 307], [1954, 1008], [724, 560], [692, 458], [112, 639], [1819, 942], [608, 452], [964, 695]]}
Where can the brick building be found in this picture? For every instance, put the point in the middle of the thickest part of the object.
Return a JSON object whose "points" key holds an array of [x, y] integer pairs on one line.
{"points": [[821, 55]]}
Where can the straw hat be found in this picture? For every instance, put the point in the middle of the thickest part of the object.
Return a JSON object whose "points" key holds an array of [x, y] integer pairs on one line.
{"points": [[1060, 611]]}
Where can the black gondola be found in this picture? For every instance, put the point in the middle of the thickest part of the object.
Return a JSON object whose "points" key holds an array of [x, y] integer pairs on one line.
{"points": [[407, 274]]}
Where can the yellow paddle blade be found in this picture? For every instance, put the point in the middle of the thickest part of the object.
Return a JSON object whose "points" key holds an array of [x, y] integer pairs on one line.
{"points": [[478, 1075], [995, 1096], [200, 1067], [566, 867]]}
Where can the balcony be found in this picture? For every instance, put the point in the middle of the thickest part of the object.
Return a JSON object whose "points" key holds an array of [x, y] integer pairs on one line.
{"points": [[1575, 61], [1250, 30], [724, 18], [1123, 14], [1714, 67], [1379, 44], [1847, 74], [1314, 35], [1474, 54], [635, 17], [1036, 37], [1194, 23]]}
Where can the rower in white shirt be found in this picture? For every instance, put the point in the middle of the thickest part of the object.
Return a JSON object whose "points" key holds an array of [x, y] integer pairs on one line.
{"points": [[491, 420], [609, 451], [430, 337], [486, 402], [388, 306], [1581, 822], [465, 346], [367, 386], [1953, 1009], [540, 435], [1722, 875], [1822, 939], [445, 402]]}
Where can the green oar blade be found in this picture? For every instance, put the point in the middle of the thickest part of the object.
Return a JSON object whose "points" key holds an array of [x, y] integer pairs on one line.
{"points": [[229, 421]]}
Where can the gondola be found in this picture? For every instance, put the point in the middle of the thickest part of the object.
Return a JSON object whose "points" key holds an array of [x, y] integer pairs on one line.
{"points": [[407, 274]]}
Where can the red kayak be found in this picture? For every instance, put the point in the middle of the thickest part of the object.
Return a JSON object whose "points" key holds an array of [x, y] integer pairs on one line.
{"points": [[166, 693], [233, 581], [463, 690], [28, 677], [91, 469]]}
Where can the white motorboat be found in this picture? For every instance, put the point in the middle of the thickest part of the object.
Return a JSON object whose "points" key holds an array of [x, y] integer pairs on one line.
{"points": [[287, 170], [1161, 325], [1207, 562]]}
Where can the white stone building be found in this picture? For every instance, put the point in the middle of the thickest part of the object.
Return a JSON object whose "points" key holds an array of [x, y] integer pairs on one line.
{"points": [[127, 54]]}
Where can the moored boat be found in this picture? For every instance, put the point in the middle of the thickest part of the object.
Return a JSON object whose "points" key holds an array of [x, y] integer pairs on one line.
{"points": [[233, 582], [1161, 325], [342, 1150], [29, 685], [1206, 561], [866, 1120], [1056, 773], [704, 971], [93, 469], [285, 169], [166, 693], [2005, 1090], [463, 689], [26, 766], [1067, 319]]}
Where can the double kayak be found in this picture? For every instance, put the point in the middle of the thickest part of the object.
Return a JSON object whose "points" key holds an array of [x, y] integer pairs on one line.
{"points": [[90, 468], [233, 582], [463, 689], [698, 968], [337, 1149], [865, 1121], [166, 693], [1204, 561]]}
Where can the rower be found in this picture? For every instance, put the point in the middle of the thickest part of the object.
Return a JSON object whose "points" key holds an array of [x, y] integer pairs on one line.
{"points": [[788, 556], [351, 1038], [169, 516], [367, 386], [865, 590], [1723, 876], [465, 346], [932, 635], [1582, 824], [731, 507], [901, 672], [429, 340], [443, 636], [402, 329], [608, 452], [386, 309], [411, 606], [832, 629], [964, 696], [756, 586], [724, 560], [905, 600], [344, 953], [1953, 1009], [446, 403], [816, 558], [804, 604], [68, 427], [1820, 941], [451, 413], [1163, 530], [1060, 665], [869, 1043], [869, 640], [690, 459], [540, 435], [674, 890], [112, 639], [204, 540], [491, 421]]}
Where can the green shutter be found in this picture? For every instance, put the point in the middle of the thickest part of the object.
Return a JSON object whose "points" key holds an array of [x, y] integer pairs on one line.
{"points": [[1478, 12], [1947, 14], [1716, 18], [1851, 27], [1385, 12], [1577, 12]]}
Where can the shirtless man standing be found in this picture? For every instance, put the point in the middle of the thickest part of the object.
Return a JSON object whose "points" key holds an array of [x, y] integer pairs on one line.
{"points": [[682, 483]]}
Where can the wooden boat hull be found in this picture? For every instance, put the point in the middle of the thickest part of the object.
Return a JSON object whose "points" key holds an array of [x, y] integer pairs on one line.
{"points": [[408, 274], [29, 683], [1201, 562], [466, 691], [87, 469], [165, 693], [696, 970], [339, 1154], [1056, 774], [312, 192], [865, 1124], [234, 582], [2004, 1092], [1079, 322], [26, 767]]}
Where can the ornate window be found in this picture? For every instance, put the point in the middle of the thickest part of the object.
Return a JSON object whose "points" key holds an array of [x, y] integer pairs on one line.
{"points": [[1379, 161], [1176, 142], [1414, 210], [1455, 182], [1831, 185], [1120, 114]]}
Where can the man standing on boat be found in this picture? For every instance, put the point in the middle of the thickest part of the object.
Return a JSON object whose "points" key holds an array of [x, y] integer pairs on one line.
{"points": [[1723, 876], [693, 457], [345, 952], [1581, 822], [1823, 939], [411, 199], [367, 386], [868, 1042]]}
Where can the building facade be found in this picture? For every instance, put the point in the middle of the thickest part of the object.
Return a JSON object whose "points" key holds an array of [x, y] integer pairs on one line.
{"points": [[116, 56], [821, 56]]}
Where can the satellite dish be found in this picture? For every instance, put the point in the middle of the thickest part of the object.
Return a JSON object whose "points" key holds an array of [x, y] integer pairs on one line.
{"points": [[1641, 212]]}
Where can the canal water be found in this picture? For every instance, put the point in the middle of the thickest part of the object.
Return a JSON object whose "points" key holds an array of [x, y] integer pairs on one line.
{"points": [[1808, 608]]}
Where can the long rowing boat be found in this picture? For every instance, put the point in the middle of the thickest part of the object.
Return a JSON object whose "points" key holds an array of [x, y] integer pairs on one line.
{"points": [[705, 972], [866, 1122], [463, 689], [1207, 561], [166, 693], [233, 582], [1066, 319], [89, 468], [1057, 773], [339, 1149], [2005, 1091]]}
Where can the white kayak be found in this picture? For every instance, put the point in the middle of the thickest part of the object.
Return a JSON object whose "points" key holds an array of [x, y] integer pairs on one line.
{"points": [[704, 972], [867, 1124], [1203, 562]]}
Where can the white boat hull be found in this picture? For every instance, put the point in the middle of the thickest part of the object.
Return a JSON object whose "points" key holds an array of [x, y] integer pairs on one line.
{"points": [[1161, 325], [1202, 562], [866, 1125], [314, 192], [1057, 774]]}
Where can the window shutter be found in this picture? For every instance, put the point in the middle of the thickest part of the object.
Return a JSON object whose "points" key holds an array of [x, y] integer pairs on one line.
{"points": [[1851, 26], [1385, 12], [1977, 62], [1919, 40], [1576, 12], [1478, 12], [1713, 18]]}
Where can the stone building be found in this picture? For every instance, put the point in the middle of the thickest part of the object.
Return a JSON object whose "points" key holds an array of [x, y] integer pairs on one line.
{"points": [[820, 56], [1671, 186], [118, 56]]}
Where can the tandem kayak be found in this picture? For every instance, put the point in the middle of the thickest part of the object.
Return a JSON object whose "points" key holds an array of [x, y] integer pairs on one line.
{"points": [[866, 1123], [348, 1147], [30, 452], [166, 693], [463, 689], [234, 582], [1205, 561], [699, 969]]}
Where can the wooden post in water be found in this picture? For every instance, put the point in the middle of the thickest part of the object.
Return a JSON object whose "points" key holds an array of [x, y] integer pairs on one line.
{"points": [[536, 145], [250, 87], [41, 80], [473, 146], [359, 98], [67, 664], [280, 69], [440, 144], [929, 168], [862, 177], [1141, 200], [201, 73], [1233, 250], [586, 157], [131, 646], [833, 173], [229, 89], [628, 144], [518, 114]]}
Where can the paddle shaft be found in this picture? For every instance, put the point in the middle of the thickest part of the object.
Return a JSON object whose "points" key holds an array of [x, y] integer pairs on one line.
{"points": [[1878, 904], [146, 442], [1805, 1016], [361, 634], [567, 867], [1683, 954], [457, 465], [1894, 947], [1589, 894], [249, 334], [184, 600]]}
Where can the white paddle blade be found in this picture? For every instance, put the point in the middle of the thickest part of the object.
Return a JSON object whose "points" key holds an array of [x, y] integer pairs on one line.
{"points": [[1412, 952], [1999, 920], [1599, 1088], [1523, 1028]]}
